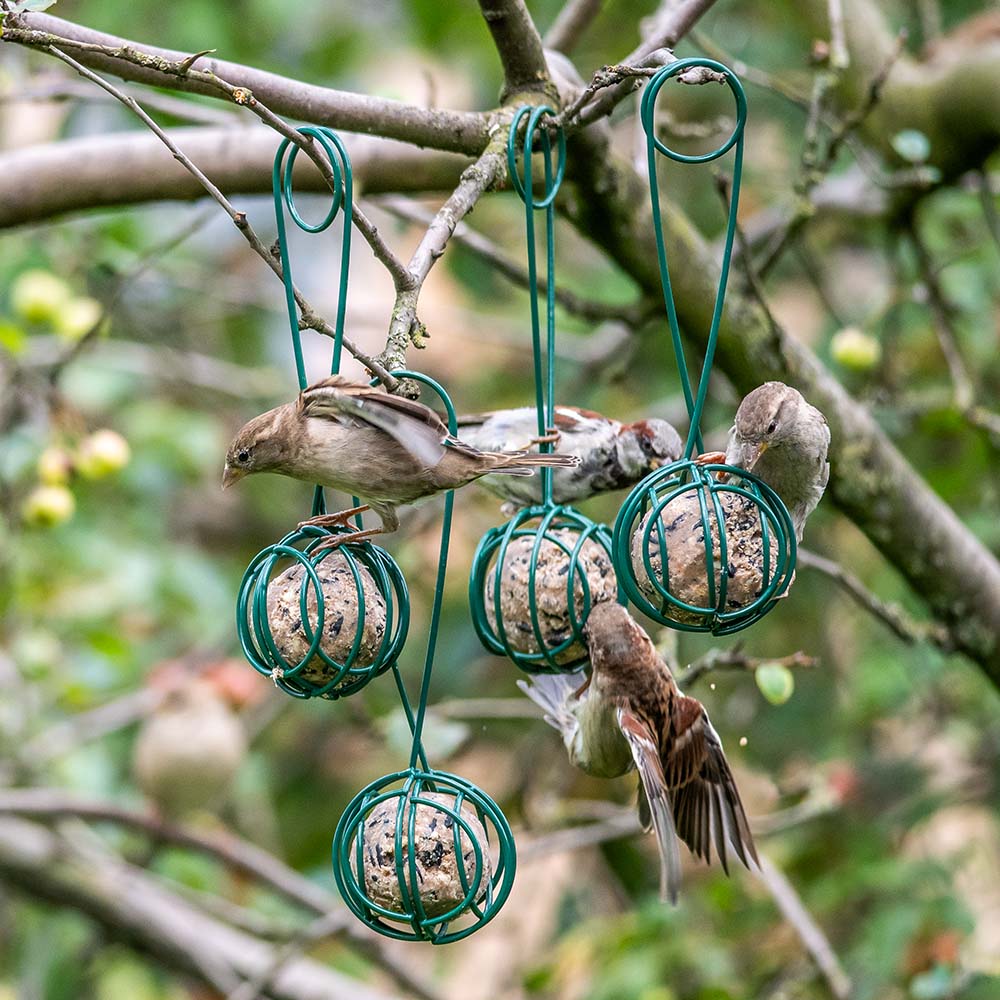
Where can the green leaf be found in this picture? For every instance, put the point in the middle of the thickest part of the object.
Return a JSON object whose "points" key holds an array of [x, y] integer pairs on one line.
{"points": [[912, 145], [775, 681]]}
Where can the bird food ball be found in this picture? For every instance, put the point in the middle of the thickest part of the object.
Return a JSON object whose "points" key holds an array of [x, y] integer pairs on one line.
{"points": [[684, 537], [439, 871], [340, 617], [550, 587]]}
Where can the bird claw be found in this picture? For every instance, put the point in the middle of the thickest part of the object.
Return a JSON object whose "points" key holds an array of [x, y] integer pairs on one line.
{"points": [[713, 458], [551, 436], [338, 520]]}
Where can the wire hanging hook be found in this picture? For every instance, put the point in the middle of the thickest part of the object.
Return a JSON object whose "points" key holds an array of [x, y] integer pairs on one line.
{"points": [[695, 403], [544, 383], [342, 196]]}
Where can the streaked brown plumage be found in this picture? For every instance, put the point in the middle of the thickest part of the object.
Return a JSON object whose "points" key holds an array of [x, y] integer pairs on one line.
{"points": [[612, 455], [385, 449], [687, 788]]}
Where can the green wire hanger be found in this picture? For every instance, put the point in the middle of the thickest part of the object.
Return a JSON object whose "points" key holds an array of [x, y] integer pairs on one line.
{"points": [[654, 145], [343, 196]]}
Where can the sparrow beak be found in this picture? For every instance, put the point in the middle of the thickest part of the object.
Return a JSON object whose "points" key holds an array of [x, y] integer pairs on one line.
{"points": [[755, 456], [231, 475]]}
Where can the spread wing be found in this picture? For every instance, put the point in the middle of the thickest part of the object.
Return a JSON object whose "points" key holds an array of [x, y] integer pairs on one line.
{"points": [[706, 802], [414, 426], [646, 753]]}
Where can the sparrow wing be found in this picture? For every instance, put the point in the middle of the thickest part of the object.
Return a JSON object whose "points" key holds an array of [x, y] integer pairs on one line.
{"points": [[646, 753], [706, 800], [415, 426]]}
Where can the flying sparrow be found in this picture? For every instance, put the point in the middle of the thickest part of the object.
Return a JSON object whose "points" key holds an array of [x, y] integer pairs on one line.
{"points": [[612, 455], [385, 449], [632, 714], [783, 440]]}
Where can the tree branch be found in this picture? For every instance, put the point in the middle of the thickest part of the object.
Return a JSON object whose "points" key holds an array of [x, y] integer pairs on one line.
{"points": [[632, 314], [519, 46], [135, 908], [459, 131], [404, 328], [125, 168], [870, 480]]}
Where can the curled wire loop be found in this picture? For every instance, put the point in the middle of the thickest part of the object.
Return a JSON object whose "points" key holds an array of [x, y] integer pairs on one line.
{"points": [[550, 638], [483, 890], [314, 671], [381, 871], [640, 525], [643, 531], [542, 642]]}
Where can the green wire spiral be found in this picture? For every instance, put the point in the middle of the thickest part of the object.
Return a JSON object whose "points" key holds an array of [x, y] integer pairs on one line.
{"points": [[545, 523], [303, 546], [645, 507], [491, 881]]}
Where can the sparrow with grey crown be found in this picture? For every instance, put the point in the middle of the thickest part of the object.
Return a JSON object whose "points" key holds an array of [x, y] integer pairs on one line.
{"points": [[633, 715], [783, 440], [384, 449]]}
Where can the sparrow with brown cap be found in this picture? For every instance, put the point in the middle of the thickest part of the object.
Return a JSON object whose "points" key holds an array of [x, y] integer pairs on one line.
{"points": [[612, 455]]}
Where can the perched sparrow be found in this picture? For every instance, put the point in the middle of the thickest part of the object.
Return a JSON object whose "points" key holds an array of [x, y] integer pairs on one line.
{"points": [[633, 714], [612, 455], [188, 749], [779, 437], [385, 449]]}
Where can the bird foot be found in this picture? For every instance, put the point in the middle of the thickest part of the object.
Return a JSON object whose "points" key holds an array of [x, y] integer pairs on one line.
{"points": [[335, 541], [551, 436], [713, 458], [578, 693], [338, 520]]}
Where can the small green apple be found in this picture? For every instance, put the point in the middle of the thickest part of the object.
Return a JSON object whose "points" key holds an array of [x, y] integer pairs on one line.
{"points": [[48, 506], [37, 296], [102, 453]]}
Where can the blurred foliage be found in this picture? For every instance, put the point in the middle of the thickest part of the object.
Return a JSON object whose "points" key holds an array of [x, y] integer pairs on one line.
{"points": [[898, 743]]}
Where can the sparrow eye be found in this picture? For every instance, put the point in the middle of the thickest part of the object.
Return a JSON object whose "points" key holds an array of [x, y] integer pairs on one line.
{"points": [[243, 456], [772, 427]]}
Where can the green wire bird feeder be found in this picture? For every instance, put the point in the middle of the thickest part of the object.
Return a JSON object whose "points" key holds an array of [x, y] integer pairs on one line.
{"points": [[535, 579], [420, 854], [320, 622], [701, 547]]}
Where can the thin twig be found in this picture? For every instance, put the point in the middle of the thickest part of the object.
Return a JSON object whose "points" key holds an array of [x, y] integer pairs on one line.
{"points": [[570, 24], [810, 933], [892, 615], [661, 33], [464, 235], [941, 311], [310, 319], [840, 58], [816, 163], [404, 327], [322, 927], [736, 659]]}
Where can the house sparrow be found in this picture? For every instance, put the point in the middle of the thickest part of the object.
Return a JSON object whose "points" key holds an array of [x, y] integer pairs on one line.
{"points": [[612, 455], [634, 715], [188, 749], [783, 440], [385, 449]]}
